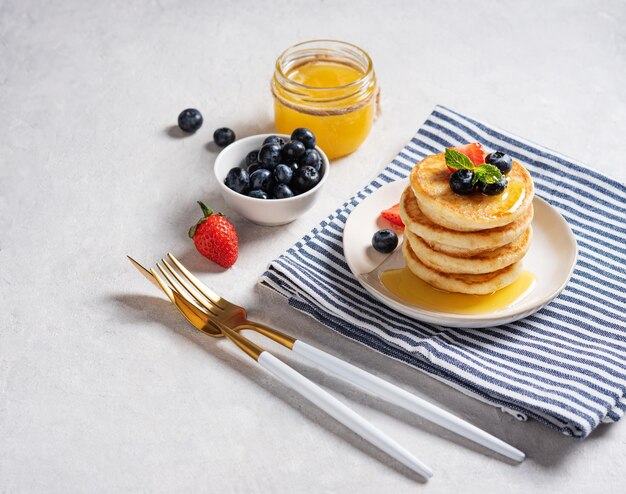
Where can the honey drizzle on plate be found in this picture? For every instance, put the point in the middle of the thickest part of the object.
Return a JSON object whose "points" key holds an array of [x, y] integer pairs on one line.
{"points": [[413, 290]]}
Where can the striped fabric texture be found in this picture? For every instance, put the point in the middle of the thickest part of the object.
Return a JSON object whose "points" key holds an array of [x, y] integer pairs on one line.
{"points": [[564, 366]]}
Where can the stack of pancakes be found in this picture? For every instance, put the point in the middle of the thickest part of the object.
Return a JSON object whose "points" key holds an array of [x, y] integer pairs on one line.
{"points": [[468, 244]]}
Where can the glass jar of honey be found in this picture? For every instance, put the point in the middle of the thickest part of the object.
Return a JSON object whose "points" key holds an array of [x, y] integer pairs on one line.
{"points": [[328, 87]]}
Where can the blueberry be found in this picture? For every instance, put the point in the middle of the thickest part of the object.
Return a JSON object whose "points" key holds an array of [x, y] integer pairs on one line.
{"points": [[305, 136], [293, 151], [385, 241], [238, 180], [190, 120], [269, 155], [293, 166], [461, 182], [252, 157], [261, 179], [257, 194], [283, 174], [311, 158], [223, 137], [493, 189], [254, 167], [282, 191], [501, 161], [306, 178], [274, 140]]}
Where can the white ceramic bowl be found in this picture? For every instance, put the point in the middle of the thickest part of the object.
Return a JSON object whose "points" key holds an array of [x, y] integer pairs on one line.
{"points": [[269, 212]]}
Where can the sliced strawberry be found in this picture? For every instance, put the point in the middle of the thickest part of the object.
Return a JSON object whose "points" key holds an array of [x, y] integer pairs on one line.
{"points": [[393, 215], [474, 151]]}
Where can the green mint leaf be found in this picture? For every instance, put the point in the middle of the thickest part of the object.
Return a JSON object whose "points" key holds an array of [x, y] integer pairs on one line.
{"points": [[487, 174], [458, 161]]}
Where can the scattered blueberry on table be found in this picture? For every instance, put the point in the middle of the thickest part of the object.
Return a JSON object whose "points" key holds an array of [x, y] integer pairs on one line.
{"points": [[279, 169], [190, 120], [223, 137], [385, 241]]}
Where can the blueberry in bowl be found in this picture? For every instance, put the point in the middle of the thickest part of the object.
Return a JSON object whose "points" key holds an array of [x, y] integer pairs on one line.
{"points": [[270, 155], [237, 179], [274, 140], [283, 174], [258, 194], [261, 180], [282, 191], [305, 136], [252, 157], [292, 151], [306, 178], [311, 158], [276, 191]]}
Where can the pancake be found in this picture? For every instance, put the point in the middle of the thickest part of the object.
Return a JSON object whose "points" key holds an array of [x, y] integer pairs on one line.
{"points": [[430, 182], [453, 242], [473, 284], [486, 262]]}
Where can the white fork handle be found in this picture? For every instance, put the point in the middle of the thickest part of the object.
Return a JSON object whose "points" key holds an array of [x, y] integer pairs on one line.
{"points": [[406, 400], [336, 409]]}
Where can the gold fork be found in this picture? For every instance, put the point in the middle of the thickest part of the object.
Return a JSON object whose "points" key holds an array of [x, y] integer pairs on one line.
{"points": [[219, 311], [331, 405], [230, 314]]}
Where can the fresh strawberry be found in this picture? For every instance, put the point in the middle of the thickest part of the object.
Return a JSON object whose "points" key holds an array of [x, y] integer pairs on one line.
{"points": [[393, 215], [474, 151], [215, 238]]}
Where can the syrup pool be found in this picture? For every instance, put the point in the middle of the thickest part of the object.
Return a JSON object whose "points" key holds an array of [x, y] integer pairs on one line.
{"points": [[413, 290]]}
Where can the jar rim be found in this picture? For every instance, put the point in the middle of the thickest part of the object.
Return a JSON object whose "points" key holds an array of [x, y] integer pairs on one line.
{"points": [[367, 73]]}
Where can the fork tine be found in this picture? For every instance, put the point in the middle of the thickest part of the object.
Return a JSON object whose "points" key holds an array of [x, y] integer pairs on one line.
{"points": [[148, 275], [196, 314], [174, 288], [202, 288], [189, 288], [198, 310]]}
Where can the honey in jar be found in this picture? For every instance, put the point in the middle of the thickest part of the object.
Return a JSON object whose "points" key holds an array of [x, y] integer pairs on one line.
{"points": [[328, 87]]}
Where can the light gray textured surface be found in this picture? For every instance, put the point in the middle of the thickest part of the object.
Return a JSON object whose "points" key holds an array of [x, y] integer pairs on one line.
{"points": [[103, 388]]}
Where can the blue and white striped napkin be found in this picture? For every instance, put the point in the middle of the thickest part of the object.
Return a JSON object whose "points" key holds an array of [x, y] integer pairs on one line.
{"points": [[564, 366]]}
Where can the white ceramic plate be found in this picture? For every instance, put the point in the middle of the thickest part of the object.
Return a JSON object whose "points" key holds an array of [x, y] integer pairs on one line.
{"points": [[551, 258]]}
